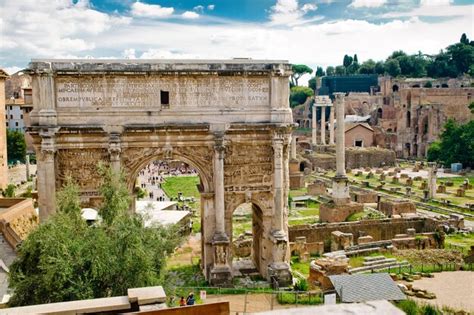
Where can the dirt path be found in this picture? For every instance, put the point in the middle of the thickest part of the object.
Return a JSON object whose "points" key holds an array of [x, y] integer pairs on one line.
{"points": [[454, 289]]}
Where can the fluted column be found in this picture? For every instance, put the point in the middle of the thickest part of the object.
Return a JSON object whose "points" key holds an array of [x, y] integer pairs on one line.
{"points": [[219, 151], [314, 122], [46, 175], [278, 185], [323, 125], [331, 126]]}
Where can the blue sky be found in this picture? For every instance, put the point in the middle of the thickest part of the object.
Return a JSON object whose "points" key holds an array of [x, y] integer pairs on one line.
{"points": [[314, 32]]}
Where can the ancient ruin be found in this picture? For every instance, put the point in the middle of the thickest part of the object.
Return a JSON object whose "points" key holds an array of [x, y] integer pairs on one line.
{"points": [[229, 119], [3, 134]]}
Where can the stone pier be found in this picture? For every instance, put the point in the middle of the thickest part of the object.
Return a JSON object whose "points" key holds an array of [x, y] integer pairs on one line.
{"points": [[432, 176]]}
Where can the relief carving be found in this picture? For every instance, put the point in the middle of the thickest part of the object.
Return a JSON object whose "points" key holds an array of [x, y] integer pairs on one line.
{"points": [[81, 165]]}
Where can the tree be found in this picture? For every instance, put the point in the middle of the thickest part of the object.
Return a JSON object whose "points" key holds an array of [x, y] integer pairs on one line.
{"points": [[330, 71], [312, 83], [456, 144], [64, 259], [380, 68], [347, 61], [471, 107], [298, 72], [356, 60], [367, 67], [464, 39], [10, 191], [16, 146], [392, 67], [299, 94], [340, 70], [462, 56], [320, 72]]}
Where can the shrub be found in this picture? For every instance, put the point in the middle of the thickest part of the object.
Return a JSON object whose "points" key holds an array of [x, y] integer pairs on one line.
{"points": [[301, 285]]}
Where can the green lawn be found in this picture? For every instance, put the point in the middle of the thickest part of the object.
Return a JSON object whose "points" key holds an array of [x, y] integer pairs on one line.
{"points": [[183, 184], [465, 241]]}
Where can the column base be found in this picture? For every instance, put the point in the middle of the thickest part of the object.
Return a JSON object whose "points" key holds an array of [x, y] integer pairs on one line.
{"points": [[221, 276], [280, 273]]}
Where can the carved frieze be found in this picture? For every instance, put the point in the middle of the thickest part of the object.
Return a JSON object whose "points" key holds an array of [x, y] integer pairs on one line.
{"points": [[81, 165]]}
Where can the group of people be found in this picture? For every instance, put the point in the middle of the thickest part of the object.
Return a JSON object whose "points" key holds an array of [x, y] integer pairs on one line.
{"points": [[153, 175], [184, 302]]}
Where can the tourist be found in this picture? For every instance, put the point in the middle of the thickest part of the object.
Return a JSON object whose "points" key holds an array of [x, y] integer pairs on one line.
{"points": [[190, 299], [182, 302]]}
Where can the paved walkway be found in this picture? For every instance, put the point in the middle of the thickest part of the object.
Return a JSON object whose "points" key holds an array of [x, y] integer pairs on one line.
{"points": [[454, 289]]}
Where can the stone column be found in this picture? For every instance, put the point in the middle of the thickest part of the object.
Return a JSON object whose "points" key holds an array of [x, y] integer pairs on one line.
{"points": [[46, 175], [331, 126], [114, 151], [221, 272], [293, 147], [314, 122], [432, 175], [323, 125], [219, 151], [27, 165], [278, 185], [340, 189]]}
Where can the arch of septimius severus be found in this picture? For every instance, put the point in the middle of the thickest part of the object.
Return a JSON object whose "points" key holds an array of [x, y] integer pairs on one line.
{"points": [[228, 119]]}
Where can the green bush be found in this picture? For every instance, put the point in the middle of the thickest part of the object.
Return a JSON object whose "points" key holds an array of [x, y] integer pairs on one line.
{"points": [[9, 191], [299, 298], [301, 285], [408, 306]]}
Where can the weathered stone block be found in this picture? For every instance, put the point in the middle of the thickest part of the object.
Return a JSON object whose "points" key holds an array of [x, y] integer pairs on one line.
{"points": [[393, 207], [329, 212], [317, 188]]}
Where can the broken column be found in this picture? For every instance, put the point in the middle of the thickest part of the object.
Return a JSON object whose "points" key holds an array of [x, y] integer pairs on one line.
{"points": [[293, 147], [323, 125], [331, 125], [432, 172], [341, 207], [314, 123]]}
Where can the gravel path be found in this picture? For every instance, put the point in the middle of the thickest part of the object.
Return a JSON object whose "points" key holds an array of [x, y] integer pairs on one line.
{"points": [[454, 289]]}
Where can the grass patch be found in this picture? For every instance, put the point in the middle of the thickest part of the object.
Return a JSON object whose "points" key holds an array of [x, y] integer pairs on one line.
{"points": [[301, 221], [462, 240], [301, 267], [184, 184], [356, 216], [298, 192], [308, 212], [299, 298]]}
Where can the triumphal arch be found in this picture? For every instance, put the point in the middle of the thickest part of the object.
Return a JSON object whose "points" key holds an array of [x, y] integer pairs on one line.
{"points": [[229, 119]]}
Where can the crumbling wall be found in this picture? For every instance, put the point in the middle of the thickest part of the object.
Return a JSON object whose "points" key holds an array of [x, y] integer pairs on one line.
{"points": [[369, 157], [384, 229]]}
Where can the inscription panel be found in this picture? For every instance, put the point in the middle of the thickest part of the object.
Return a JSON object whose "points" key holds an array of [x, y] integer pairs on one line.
{"points": [[129, 92]]}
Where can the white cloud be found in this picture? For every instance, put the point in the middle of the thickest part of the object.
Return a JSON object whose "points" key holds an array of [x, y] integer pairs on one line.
{"points": [[435, 2], [211, 7], [308, 7], [49, 29], [288, 12], [190, 15], [367, 3], [198, 8], [445, 10], [150, 10]]}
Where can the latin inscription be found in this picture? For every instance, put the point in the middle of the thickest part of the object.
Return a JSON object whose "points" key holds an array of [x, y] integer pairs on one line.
{"points": [[145, 92]]}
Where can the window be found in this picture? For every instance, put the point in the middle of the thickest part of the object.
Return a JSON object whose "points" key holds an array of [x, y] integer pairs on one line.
{"points": [[379, 113], [7, 124], [395, 88], [11, 107], [21, 116], [358, 143], [16, 124], [165, 98], [408, 119], [11, 116]]}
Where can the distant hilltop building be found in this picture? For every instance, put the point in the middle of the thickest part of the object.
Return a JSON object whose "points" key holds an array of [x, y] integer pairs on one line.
{"points": [[406, 114]]}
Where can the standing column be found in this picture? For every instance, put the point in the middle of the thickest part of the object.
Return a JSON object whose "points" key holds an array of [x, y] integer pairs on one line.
{"points": [[293, 147], [323, 125], [432, 175], [331, 126], [219, 151], [114, 152], [27, 165], [46, 175], [278, 185], [340, 150], [314, 122]]}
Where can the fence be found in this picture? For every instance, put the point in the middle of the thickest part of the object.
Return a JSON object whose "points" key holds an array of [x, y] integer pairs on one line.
{"points": [[244, 300]]}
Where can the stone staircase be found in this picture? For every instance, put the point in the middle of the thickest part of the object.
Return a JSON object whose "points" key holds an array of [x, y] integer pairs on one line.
{"points": [[377, 263]]}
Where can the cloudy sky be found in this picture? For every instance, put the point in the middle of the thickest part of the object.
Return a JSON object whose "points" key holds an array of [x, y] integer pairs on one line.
{"points": [[313, 32]]}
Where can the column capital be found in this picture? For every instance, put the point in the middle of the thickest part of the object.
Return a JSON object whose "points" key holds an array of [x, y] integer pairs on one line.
{"points": [[219, 143], [115, 147]]}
